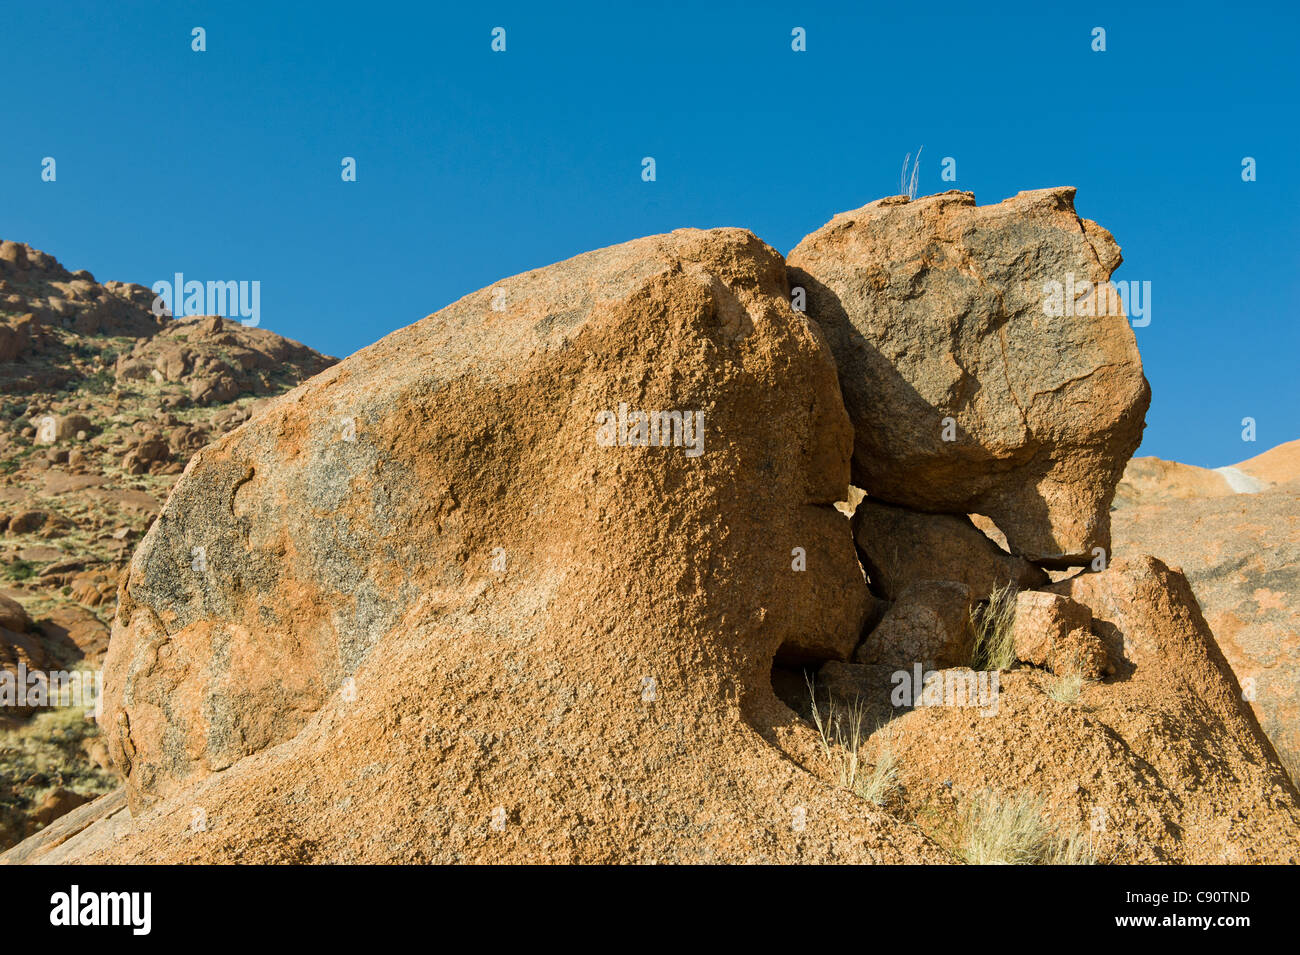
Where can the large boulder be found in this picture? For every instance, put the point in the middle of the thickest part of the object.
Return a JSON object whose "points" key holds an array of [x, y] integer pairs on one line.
{"points": [[444, 602], [973, 386]]}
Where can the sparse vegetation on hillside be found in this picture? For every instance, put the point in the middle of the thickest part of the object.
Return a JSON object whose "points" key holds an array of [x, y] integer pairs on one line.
{"points": [[49, 752], [103, 405]]}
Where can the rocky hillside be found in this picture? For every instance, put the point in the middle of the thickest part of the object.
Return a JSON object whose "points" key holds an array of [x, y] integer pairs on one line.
{"points": [[1155, 481], [103, 405], [1235, 532], [684, 551]]}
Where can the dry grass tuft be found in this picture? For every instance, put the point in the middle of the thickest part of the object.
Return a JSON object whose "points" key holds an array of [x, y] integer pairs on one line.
{"points": [[992, 624], [1013, 832]]}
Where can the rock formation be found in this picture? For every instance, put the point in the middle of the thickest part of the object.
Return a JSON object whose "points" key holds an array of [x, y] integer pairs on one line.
{"points": [[473, 609], [562, 573]]}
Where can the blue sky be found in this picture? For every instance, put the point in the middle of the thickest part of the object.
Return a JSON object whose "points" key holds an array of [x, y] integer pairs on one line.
{"points": [[473, 165]]}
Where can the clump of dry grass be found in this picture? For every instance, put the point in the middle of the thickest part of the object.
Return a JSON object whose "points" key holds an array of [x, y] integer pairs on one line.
{"points": [[991, 623], [1066, 688], [877, 785], [840, 733], [1012, 832], [842, 738], [907, 187]]}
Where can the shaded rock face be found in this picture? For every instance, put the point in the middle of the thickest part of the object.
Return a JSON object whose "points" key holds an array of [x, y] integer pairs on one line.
{"points": [[1241, 554], [462, 623], [21, 651], [928, 624], [966, 396], [899, 546]]}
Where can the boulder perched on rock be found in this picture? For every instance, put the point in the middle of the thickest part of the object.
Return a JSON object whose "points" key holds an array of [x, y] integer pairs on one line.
{"points": [[929, 624], [976, 368], [508, 585], [1055, 632], [899, 546]]}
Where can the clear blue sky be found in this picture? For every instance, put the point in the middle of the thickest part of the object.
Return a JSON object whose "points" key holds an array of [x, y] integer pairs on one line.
{"points": [[474, 165]]}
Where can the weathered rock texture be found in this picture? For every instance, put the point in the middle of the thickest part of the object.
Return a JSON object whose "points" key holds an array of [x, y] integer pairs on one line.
{"points": [[936, 309], [475, 633], [899, 546]]}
